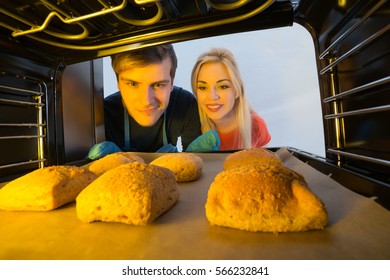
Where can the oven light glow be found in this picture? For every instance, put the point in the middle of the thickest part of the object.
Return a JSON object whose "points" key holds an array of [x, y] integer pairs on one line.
{"points": [[342, 3]]}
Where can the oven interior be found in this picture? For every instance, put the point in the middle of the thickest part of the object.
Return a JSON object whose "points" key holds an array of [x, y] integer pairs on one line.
{"points": [[51, 74]]}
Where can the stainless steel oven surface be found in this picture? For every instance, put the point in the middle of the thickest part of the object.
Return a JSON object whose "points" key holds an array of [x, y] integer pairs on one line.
{"points": [[51, 81]]}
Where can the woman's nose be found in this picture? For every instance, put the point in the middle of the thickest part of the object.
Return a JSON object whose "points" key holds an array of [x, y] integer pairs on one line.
{"points": [[213, 94]]}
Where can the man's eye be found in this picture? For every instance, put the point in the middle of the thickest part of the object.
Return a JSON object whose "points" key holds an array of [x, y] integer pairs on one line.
{"points": [[132, 83], [159, 85]]}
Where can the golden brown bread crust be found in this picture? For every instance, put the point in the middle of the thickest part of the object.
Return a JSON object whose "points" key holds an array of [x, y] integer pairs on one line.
{"points": [[45, 189], [133, 193], [264, 198], [186, 166], [251, 156], [111, 161]]}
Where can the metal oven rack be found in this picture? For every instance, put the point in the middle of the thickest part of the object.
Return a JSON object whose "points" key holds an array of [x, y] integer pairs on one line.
{"points": [[355, 103], [22, 121]]}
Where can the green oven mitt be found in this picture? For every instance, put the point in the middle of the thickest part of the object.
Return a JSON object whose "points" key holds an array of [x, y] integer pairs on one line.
{"points": [[102, 149], [207, 142]]}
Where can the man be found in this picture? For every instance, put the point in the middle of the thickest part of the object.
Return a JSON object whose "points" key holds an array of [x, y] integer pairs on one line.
{"points": [[149, 113]]}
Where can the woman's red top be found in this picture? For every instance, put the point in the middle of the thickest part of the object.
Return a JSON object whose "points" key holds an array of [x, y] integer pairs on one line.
{"points": [[260, 135]]}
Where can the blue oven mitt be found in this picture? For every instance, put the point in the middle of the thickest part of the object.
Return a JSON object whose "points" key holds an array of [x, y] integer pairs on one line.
{"points": [[102, 149], [207, 142], [169, 148]]}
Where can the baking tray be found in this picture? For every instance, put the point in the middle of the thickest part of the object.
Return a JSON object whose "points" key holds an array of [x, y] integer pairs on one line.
{"points": [[359, 228]]}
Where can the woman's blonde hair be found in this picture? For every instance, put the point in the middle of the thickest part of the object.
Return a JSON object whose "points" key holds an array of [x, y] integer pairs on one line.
{"points": [[241, 107]]}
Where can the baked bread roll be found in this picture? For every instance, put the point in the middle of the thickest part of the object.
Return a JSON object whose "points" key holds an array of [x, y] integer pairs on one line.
{"points": [[186, 166], [45, 189], [133, 193], [111, 161], [264, 198], [251, 156]]}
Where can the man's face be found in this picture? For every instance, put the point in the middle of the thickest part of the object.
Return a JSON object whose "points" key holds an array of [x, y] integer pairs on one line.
{"points": [[146, 91]]}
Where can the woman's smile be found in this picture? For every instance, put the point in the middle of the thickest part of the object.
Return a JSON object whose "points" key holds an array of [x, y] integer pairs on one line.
{"points": [[214, 107]]}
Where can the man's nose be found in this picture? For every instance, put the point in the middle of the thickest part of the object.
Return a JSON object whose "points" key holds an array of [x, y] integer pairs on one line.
{"points": [[147, 96]]}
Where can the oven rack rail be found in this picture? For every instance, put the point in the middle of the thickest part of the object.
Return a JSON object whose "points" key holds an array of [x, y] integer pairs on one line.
{"points": [[355, 26], [16, 96], [331, 60]]}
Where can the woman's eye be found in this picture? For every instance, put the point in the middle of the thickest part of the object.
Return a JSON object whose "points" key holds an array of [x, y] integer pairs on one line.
{"points": [[224, 86], [201, 88]]}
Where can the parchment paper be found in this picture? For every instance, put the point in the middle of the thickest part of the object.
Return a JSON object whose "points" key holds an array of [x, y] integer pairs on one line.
{"points": [[358, 228]]}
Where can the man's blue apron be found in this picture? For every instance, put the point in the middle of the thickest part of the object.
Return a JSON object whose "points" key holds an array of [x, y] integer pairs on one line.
{"points": [[166, 148]]}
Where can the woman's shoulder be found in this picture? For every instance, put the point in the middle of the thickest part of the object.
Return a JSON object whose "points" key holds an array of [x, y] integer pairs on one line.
{"points": [[256, 119], [260, 134]]}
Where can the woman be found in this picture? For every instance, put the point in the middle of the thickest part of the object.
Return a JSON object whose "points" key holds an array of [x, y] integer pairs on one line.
{"points": [[219, 89]]}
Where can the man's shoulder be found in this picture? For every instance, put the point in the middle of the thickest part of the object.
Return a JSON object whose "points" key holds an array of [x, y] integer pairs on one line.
{"points": [[181, 100], [113, 98], [182, 104], [181, 93]]}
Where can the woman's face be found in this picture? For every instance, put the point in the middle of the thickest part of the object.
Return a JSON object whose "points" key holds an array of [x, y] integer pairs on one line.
{"points": [[215, 93]]}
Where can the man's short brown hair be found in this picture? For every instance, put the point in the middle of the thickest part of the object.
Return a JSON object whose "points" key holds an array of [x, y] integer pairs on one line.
{"points": [[143, 57]]}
